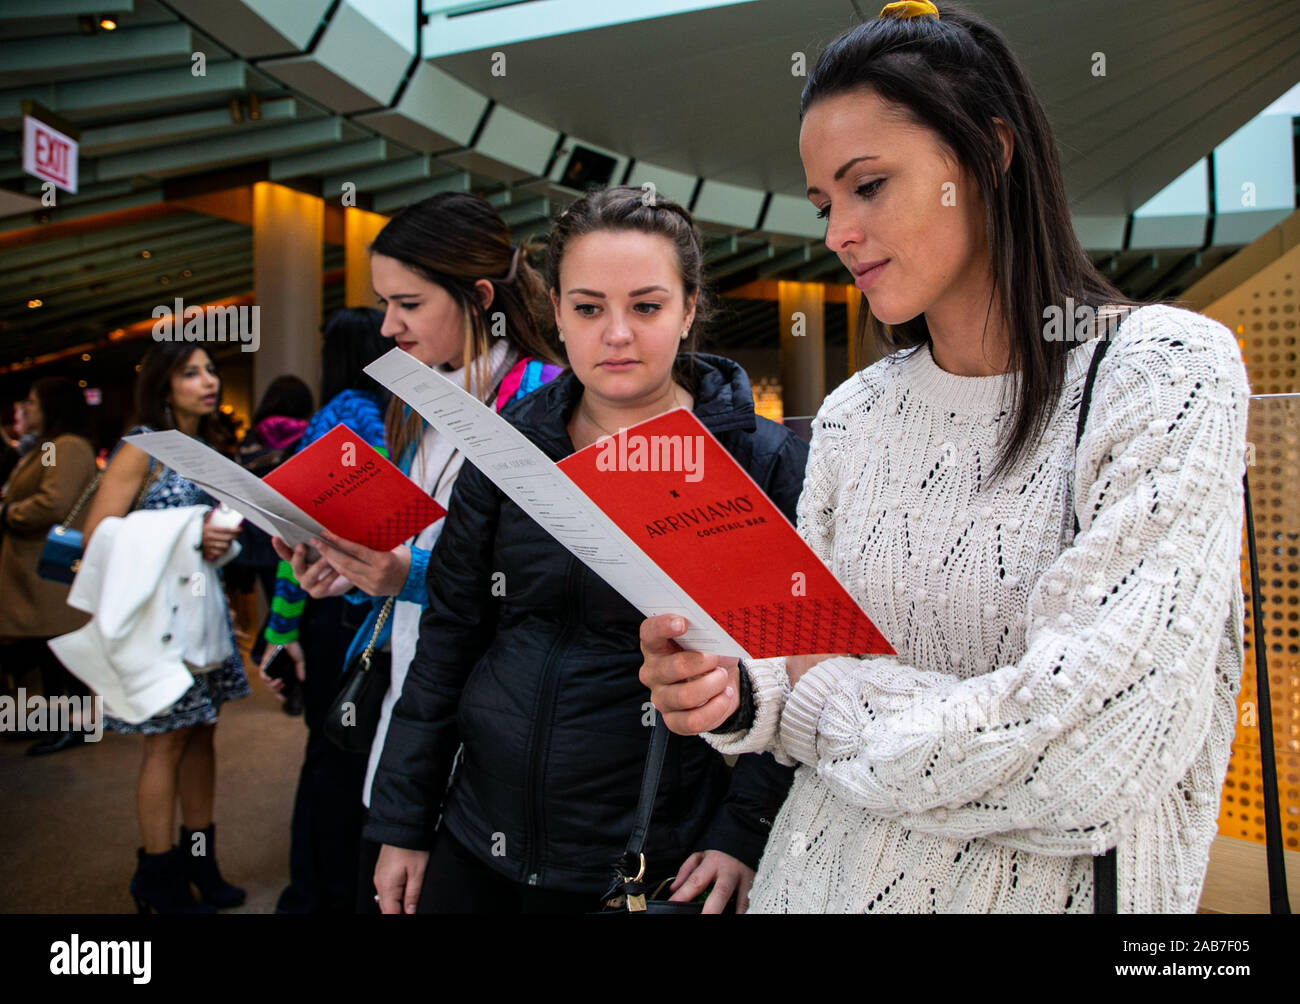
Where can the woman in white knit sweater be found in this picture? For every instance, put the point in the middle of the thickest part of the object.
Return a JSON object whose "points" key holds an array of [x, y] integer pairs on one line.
{"points": [[1054, 695]]}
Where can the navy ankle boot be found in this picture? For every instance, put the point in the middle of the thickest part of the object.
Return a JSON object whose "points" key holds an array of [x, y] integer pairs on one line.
{"points": [[201, 869], [159, 884]]}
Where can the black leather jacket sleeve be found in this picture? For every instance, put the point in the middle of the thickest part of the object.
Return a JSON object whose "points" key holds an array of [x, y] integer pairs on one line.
{"points": [[759, 784], [455, 630]]}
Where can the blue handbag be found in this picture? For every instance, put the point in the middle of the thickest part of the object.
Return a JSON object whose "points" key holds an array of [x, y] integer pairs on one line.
{"points": [[61, 555], [60, 558]]}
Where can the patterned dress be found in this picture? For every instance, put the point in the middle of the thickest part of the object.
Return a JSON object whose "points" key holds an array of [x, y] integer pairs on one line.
{"points": [[198, 705]]}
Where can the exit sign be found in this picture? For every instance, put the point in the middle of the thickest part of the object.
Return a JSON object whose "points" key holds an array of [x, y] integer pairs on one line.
{"points": [[49, 154]]}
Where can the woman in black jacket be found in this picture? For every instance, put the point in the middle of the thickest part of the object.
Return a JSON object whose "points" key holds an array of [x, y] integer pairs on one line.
{"points": [[530, 660]]}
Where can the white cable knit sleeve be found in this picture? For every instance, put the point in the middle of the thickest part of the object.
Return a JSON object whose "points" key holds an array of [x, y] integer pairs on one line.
{"points": [[815, 513], [769, 688], [1114, 697]]}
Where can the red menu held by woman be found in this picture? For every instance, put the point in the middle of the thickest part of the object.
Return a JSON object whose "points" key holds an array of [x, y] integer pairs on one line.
{"points": [[351, 489], [682, 498]]}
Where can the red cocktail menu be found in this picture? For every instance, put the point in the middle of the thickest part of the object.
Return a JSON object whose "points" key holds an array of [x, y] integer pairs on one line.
{"points": [[352, 490], [683, 499]]}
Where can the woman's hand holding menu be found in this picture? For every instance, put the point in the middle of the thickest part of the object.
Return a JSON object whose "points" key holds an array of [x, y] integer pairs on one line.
{"points": [[379, 573], [318, 578], [694, 692]]}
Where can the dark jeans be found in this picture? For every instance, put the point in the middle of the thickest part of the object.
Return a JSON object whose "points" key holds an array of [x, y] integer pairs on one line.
{"points": [[455, 881], [325, 837]]}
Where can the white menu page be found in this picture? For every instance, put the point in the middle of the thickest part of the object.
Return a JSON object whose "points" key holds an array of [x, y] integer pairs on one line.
{"points": [[226, 481]]}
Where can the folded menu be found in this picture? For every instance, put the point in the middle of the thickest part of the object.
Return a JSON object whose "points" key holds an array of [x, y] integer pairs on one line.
{"points": [[701, 541], [685, 501], [339, 483], [352, 490]]}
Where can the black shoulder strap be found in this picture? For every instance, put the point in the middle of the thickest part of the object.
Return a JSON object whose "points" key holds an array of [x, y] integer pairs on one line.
{"points": [[1105, 876], [1085, 402], [630, 863], [1278, 900], [1105, 873]]}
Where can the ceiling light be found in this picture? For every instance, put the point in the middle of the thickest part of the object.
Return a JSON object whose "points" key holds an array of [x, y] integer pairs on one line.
{"points": [[33, 303], [81, 383], [85, 357], [108, 24], [145, 254]]}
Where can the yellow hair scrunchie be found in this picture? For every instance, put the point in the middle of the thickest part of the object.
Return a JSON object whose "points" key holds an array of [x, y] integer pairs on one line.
{"points": [[910, 8]]}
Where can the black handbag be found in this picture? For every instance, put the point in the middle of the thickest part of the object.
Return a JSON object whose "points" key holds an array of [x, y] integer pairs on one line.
{"points": [[628, 893], [353, 717], [1105, 872]]}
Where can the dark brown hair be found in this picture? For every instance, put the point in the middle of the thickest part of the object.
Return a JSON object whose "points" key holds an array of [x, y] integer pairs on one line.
{"points": [[154, 383], [350, 341], [454, 239], [640, 209], [286, 396], [63, 407], [954, 74]]}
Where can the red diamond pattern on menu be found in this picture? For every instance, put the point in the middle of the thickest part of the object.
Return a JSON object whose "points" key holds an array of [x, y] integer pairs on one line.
{"points": [[799, 625], [405, 522]]}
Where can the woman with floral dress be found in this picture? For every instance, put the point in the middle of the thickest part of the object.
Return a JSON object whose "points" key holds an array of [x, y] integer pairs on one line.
{"points": [[178, 388]]}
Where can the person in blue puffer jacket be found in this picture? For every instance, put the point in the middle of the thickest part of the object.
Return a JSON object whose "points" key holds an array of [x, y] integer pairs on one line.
{"points": [[351, 341], [326, 825]]}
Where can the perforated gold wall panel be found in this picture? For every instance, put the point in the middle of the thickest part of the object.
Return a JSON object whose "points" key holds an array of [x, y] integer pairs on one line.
{"points": [[1264, 312]]}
